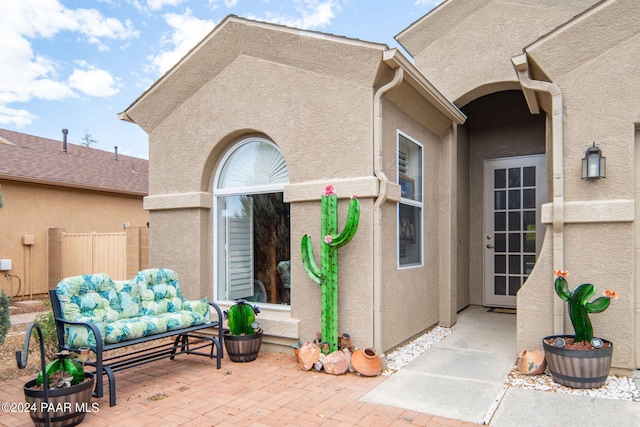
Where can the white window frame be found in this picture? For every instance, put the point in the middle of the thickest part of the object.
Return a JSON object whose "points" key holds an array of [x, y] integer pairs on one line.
{"points": [[237, 191], [411, 202]]}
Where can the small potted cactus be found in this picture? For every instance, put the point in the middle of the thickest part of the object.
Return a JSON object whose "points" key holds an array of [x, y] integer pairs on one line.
{"points": [[244, 336], [580, 360]]}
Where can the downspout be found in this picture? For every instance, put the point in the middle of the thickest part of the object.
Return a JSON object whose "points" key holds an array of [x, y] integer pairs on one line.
{"points": [[522, 68], [377, 207]]}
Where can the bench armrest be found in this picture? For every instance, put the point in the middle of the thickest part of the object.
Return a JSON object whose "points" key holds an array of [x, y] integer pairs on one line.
{"points": [[92, 326]]}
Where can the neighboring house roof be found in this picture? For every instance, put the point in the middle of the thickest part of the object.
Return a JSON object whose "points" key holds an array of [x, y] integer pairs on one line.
{"points": [[29, 158]]}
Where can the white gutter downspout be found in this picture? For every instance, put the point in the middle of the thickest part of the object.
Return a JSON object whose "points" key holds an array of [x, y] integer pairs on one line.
{"points": [[377, 207], [522, 68]]}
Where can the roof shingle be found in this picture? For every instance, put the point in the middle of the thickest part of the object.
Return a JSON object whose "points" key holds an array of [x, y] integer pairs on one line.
{"points": [[30, 158]]}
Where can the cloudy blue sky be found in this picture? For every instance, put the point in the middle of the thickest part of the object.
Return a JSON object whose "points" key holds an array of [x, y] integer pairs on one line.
{"points": [[77, 63]]}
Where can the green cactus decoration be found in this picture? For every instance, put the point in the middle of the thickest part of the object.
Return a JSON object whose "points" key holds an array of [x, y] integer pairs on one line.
{"points": [[579, 307], [327, 274], [241, 318]]}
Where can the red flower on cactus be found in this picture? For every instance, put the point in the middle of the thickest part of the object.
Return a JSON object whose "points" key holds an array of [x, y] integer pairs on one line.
{"points": [[329, 190], [328, 239], [561, 273], [354, 196], [610, 294]]}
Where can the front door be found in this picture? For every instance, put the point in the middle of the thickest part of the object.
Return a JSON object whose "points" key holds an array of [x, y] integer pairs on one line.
{"points": [[514, 190]]}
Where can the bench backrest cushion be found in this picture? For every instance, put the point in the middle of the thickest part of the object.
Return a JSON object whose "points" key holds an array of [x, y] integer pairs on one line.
{"points": [[90, 298], [159, 291], [148, 304]]}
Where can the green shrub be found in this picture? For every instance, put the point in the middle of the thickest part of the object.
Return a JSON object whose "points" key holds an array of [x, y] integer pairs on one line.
{"points": [[5, 321], [49, 335]]}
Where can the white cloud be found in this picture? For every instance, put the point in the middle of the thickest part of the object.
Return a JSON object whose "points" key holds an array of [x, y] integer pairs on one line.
{"points": [[28, 75], [12, 116], [430, 4], [159, 4], [311, 14], [187, 31], [93, 82]]}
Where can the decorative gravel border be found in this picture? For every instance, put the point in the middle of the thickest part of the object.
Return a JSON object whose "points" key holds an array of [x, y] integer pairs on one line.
{"points": [[616, 387]]}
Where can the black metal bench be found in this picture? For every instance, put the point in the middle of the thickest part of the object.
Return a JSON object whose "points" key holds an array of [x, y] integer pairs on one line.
{"points": [[189, 340]]}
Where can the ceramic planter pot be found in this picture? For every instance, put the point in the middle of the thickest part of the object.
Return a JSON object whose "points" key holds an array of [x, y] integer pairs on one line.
{"points": [[532, 362], [242, 348], [578, 368], [366, 362], [66, 406]]}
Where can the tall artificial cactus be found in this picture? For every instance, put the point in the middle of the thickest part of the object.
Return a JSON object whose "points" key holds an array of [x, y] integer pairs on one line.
{"points": [[327, 274]]}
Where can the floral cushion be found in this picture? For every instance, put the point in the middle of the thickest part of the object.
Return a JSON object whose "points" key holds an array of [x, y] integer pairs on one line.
{"points": [[148, 304]]}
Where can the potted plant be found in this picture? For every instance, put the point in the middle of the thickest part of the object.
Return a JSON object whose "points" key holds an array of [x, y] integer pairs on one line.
{"points": [[61, 393], [244, 336], [580, 360]]}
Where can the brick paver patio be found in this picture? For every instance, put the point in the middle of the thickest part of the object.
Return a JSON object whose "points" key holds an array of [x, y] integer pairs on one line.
{"points": [[270, 391]]}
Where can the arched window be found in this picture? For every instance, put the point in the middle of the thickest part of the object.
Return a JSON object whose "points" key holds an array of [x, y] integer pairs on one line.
{"points": [[252, 237]]}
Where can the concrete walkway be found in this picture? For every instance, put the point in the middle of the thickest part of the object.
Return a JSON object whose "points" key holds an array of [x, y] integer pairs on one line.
{"points": [[463, 376], [458, 382]]}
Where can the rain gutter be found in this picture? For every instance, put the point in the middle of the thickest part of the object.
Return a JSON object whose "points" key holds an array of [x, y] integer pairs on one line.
{"points": [[530, 87], [377, 207]]}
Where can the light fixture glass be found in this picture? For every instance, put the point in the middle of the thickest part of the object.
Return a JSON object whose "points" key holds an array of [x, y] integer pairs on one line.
{"points": [[593, 164]]}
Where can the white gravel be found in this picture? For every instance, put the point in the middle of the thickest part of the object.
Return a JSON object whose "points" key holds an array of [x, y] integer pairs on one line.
{"points": [[616, 387]]}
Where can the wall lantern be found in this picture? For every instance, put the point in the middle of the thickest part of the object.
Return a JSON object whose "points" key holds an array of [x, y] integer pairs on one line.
{"points": [[593, 164]]}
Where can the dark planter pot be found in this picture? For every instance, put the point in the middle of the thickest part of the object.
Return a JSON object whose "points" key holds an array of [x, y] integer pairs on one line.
{"points": [[67, 406], [242, 348], [578, 368]]}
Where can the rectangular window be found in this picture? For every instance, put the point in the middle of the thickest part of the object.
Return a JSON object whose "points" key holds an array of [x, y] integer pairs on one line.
{"points": [[253, 248], [411, 202]]}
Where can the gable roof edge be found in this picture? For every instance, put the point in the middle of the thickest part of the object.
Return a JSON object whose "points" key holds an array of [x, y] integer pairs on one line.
{"points": [[395, 59]]}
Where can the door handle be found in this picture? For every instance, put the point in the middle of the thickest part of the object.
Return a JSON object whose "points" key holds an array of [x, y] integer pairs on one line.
{"points": [[490, 246]]}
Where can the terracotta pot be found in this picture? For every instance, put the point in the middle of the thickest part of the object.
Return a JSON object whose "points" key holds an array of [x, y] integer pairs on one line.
{"points": [[366, 362], [532, 362]]}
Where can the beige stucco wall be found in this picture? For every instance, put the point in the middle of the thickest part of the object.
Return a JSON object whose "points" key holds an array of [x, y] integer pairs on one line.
{"points": [[595, 63], [31, 209], [464, 46], [314, 98]]}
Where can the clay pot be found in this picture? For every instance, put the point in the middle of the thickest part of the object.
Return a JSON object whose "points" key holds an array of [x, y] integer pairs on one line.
{"points": [[532, 362], [366, 362]]}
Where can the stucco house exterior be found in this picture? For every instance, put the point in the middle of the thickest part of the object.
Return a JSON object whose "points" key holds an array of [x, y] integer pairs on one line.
{"points": [[50, 186], [467, 159]]}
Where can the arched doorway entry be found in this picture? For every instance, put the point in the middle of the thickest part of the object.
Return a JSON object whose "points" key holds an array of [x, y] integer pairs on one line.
{"points": [[500, 139]]}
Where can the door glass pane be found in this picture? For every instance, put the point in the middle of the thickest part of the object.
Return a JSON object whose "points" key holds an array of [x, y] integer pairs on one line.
{"points": [[514, 264], [529, 242], [500, 221], [514, 221], [500, 264], [514, 177], [499, 178], [529, 220], [500, 202], [528, 261], [529, 198], [529, 176], [514, 285], [500, 242], [514, 199], [500, 285], [514, 242]]}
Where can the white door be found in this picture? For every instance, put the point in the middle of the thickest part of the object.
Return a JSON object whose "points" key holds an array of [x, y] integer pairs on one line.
{"points": [[514, 190]]}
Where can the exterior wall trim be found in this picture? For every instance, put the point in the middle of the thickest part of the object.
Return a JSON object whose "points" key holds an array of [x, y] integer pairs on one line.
{"points": [[591, 211], [191, 200]]}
